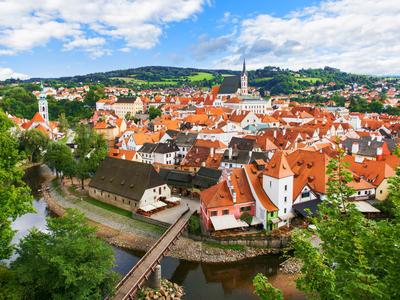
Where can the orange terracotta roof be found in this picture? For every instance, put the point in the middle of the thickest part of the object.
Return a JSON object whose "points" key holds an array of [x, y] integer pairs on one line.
{"points": [[278, 167], [38, 118], [255, 179]]}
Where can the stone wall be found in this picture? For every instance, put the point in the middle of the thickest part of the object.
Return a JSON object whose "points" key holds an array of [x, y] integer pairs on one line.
{"points": [[277, 243], [112, 199]]}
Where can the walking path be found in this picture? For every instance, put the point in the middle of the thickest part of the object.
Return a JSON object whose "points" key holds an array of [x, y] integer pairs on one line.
{"points": [[132, 234]]}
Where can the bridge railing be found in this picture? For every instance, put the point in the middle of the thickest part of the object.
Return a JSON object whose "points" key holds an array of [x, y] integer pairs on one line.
{"points": [[123, 280]]}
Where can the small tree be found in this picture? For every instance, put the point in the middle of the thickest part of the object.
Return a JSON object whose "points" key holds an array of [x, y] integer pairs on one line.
{"points": [[63, 124], [357, 257], [91, 150], [265, 290], [33, 142], [58, 156], [154, 112], [15, 196], [67, 262], [246, 217]]}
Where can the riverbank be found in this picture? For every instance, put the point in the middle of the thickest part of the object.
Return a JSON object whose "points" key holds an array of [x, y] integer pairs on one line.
{"points": [[127, 233]]}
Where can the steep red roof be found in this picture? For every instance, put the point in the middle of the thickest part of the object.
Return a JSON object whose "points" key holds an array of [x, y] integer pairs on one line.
{"points": [[278, 167]]}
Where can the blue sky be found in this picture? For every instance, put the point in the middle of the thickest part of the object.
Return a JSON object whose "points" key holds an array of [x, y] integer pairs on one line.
{"points": [[51, 38]]}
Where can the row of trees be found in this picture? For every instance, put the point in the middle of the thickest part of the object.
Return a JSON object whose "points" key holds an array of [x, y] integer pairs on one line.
{"points": [[357, 258], [19, 101], [91, 150], [67, 261]]}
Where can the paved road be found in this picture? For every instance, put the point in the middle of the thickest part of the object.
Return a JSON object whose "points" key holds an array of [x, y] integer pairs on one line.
{"points": [[170, 215], [136, 277]]}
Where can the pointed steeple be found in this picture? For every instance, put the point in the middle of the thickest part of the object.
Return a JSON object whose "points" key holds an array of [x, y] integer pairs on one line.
{"points": [[278, 166], [244, 67]]}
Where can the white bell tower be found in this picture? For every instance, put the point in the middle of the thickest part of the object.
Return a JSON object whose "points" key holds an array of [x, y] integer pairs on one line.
{"points": [[243, 80], [43, 107]]}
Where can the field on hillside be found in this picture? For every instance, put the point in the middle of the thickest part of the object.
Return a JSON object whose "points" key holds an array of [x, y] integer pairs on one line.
{"points": [[309, 79], [194, 77]]}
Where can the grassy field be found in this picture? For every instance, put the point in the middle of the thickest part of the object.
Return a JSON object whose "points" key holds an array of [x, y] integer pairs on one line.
{"points": [[170, 81], [262, 79], [200, 76], [309, 79], [139, 81], [220, 246]]}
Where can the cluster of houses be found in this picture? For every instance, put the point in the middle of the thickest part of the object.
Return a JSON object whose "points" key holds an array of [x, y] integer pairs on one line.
{"points": [[239, 154], [247, 161]]}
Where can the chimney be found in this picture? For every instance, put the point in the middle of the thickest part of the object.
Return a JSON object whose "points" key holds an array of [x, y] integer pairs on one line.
{"points": [[234, 197], [230, 153], [212, 152], [274, 134], [379, 138], [379, 151], [355, 147]]}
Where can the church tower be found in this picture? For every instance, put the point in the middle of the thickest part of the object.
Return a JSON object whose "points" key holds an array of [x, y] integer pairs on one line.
{"points": [[243, 80], [43, 107]]}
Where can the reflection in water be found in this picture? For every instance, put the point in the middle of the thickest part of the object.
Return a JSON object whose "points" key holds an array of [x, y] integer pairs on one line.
{"points": [[231, 281]]}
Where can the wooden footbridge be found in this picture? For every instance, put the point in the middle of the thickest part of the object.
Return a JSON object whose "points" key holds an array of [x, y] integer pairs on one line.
{"points": [[140, 273]]}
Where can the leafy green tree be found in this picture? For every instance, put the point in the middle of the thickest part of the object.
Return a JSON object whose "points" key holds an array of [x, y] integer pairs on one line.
{"points": [[246, 217], [91, 150], [154, 112], [58, 156], [15, 197], [34, 142], [94, 94], [265, 290], [63, 123], [375, 106], [67, 262], [356, 257]]}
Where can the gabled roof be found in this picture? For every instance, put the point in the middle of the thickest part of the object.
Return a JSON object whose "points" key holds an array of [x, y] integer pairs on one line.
{"points": [[255, 180], [125, 178], [229, 85], [38, 118], [278, 166], [219, 195], [242, 143]]}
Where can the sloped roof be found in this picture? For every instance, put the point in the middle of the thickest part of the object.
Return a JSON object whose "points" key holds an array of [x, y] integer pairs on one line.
{"points": [[229, 85], [278, 166], [125, 178], [255, 180]]}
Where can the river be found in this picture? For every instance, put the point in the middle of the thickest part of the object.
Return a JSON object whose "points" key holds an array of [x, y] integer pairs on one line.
{"points": [[231, 281]]}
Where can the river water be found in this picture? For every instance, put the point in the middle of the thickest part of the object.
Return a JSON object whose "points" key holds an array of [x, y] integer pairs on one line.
{"points": [[231, 281]]}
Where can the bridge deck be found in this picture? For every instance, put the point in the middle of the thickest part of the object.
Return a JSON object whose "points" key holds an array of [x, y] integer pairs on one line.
{"points": [[129, 285]]}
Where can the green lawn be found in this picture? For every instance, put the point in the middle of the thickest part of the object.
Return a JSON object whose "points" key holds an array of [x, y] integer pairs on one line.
{"points": [[139, 81], [108, 207], [262, 79], [309, 79], [221, 246], [200, 76]]}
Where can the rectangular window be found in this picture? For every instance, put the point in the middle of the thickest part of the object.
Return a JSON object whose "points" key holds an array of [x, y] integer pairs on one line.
{"points": [[285, 187], [284, 210], [270, 184], [225, 212], [214, 213], [159, 190], [305, 194], [285, 199]]}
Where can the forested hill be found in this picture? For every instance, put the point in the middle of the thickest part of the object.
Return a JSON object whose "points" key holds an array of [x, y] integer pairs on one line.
{"points": [[273, 79]]}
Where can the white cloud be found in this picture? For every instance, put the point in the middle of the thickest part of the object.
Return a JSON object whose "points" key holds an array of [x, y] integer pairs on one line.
{"points": [[6, 73], [360, 36], [25, 24]]}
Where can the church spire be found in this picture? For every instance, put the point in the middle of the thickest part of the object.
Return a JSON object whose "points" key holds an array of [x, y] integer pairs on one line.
{"points": [[244, 67], [243, 80]]}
